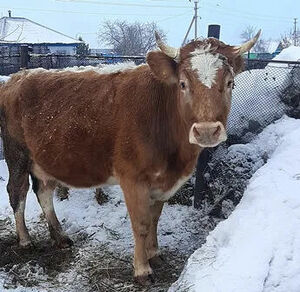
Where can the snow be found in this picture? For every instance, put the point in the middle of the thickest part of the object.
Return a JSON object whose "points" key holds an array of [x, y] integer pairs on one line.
{"points": [[257, 91], [257, 247], [96, 230], [3, 78], [101, 69], [22, 30], [260, 91], [291, 53]]}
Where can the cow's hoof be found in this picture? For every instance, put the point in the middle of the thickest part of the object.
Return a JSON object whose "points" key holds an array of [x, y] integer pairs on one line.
{"points": [[156, 261], [146, 280], [63, 242], [25, 244]]}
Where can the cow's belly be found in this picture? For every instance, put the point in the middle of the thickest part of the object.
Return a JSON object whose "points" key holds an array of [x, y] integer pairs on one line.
{"points": [[160, 195], [81, 180]]}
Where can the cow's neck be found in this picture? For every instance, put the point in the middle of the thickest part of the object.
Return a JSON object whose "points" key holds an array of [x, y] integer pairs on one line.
{"points": [[170, 130]]}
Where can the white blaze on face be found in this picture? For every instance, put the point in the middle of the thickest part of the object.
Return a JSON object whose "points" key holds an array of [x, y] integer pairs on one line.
{"points": [[206, 65]]}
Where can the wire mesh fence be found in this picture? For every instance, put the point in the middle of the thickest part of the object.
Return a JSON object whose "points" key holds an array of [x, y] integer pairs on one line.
{"points": [[12, 63], [262, 94]]}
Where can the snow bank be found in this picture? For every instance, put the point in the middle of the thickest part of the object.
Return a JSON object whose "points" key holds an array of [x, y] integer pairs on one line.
{"points": [[257, 247]]}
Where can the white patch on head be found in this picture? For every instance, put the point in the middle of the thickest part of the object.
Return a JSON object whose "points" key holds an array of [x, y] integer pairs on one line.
{"points": [[206, 65]]}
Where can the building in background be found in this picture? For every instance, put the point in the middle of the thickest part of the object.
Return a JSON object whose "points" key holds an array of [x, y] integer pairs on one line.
{"points": [[16, 31]]}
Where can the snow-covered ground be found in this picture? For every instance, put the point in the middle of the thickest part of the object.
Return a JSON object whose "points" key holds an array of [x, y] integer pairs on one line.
{"points": [[103, 250], [258, 247], [255, 249]]}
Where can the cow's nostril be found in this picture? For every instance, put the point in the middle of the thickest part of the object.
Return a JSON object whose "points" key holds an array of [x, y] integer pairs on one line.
{"points": [[217, 132]]}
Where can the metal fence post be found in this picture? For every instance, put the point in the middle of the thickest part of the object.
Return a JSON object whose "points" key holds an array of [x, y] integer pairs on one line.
{"points": [[201, 189], [24, 57]]}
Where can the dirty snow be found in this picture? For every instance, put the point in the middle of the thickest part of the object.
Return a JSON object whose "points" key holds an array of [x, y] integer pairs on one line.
{"points": [[257, 247]]}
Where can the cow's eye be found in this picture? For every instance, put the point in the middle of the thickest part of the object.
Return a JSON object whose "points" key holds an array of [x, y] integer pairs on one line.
{"points": [[182, 84], [230, 83]]}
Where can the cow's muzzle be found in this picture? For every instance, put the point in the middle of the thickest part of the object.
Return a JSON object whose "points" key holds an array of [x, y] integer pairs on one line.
{"points": [[207, 134]]}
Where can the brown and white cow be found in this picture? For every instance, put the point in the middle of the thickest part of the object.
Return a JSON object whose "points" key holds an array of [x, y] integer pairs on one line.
{"points": [[142, 128]]}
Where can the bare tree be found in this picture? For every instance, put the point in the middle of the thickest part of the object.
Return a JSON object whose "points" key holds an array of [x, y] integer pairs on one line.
{"points": [[290, 38], [248, 33], [130, 38]]}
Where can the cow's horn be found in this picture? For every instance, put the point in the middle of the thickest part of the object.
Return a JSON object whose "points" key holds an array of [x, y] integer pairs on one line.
{"points": [[169, 51], [248, 45]]}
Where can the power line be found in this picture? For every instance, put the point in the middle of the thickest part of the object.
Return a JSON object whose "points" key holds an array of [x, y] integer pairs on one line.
{"points": [[243, 13], [174, 16], [250, 17], [123, 4], [88, 13]]}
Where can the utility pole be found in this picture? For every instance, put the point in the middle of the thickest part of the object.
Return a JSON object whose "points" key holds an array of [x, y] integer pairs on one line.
{"points": [[295, 31], [194, 20]]}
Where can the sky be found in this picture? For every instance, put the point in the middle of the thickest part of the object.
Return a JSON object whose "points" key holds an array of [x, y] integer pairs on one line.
{"points": [[84, 17]]}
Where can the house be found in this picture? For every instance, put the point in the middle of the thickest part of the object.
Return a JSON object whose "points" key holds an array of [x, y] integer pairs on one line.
{"points": [[16, 31], [272, 48]]}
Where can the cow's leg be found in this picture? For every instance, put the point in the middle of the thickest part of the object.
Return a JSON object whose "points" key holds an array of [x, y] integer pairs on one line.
{"points": [[138, 205], [17, 189], [18, 162], [44, 192], [153, 253]]}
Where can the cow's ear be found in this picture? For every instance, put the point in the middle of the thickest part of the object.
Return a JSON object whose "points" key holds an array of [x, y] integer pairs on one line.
{"points": [[239, 64], [163, 67]]}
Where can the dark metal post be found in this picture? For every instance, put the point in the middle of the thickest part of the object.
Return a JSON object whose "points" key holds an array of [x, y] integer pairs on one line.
{"points": [[201, 190], [201, 187], [24, 57], [214, 31]]}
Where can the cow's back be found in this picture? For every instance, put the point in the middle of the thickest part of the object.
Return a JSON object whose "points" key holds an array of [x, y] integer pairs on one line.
{"points": [[67, 120]]}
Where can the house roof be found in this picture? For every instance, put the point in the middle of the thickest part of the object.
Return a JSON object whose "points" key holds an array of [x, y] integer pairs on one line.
{"points": [[24, 31], [272, 46]]}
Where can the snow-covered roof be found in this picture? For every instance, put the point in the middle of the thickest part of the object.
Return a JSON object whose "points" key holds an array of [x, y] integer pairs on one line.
{"points": [[291, 53], [272, 46], [24, 31]]}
